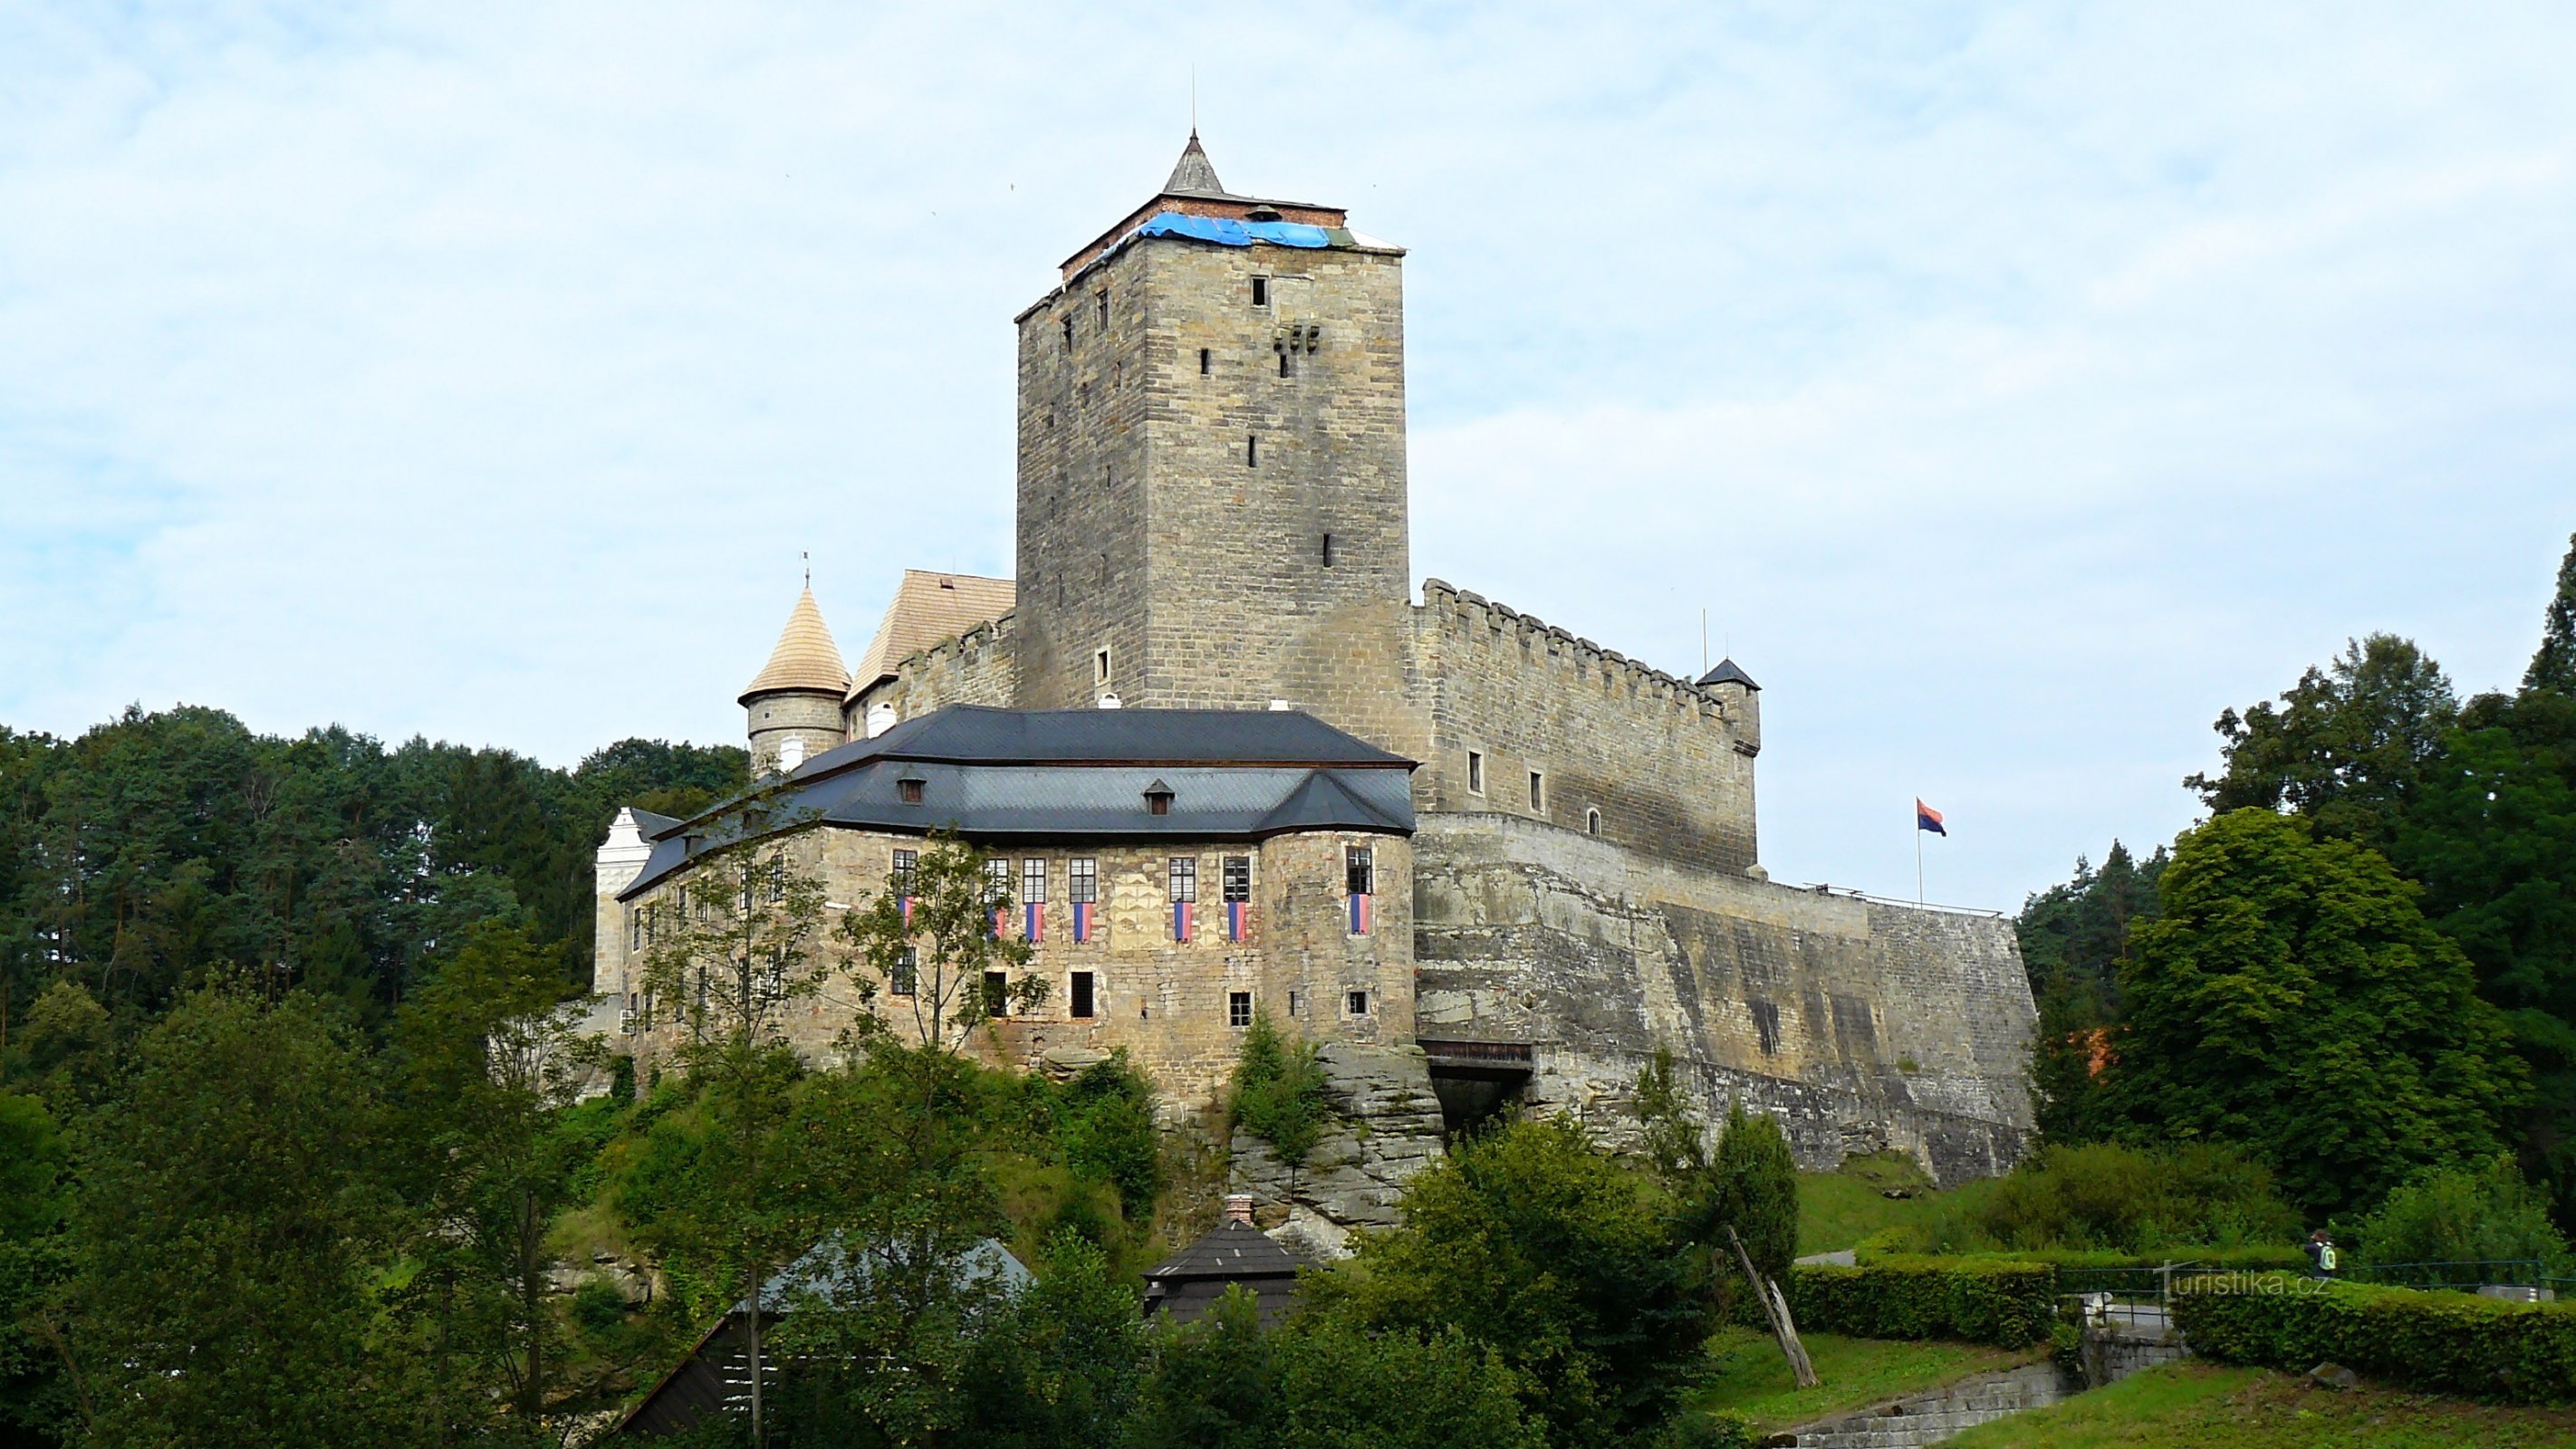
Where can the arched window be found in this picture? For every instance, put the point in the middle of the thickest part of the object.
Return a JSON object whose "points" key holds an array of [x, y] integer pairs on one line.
{"points": [[1592, 822]]}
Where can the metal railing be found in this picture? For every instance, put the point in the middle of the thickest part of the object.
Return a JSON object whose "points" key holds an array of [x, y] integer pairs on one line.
{"points": [[2138, 1300]]}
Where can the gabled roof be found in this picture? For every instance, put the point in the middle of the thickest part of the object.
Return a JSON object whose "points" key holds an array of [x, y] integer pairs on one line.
{"points": [[927, 608], [1233, 1251], [1194, 172], [1728, 672], [805, 659]]}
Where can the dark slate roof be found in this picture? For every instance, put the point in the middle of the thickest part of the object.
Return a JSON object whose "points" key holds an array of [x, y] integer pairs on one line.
{"points": [[1231, 1251], [650, 825], [1728, 672], [1028, 775]]}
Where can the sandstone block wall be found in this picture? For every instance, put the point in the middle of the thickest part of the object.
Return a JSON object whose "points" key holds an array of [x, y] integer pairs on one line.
{"points": [[1861, 1026], [1668, 766], [1166, 1001], [980, 666]]}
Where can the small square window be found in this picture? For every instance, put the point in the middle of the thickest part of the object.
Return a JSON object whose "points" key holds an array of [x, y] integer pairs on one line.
{"points": [[1538, 791], [1238, 1008], [1475, 772], [1356, 1003], [908, 791]]}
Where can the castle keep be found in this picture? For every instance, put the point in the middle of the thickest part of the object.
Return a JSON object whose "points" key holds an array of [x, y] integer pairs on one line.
{"points": [[1214, 595]]}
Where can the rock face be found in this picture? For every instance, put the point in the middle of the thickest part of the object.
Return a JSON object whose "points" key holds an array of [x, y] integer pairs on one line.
{"points": [[1385, 1128]]}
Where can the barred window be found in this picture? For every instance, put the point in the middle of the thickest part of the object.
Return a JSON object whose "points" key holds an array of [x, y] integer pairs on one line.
{"points": [[906, 864], [1238, 878], [1082, 879], [997, 883], [1033, 882], [1356, 1003], [1359, 863], [1185, 878], [907, 973]]}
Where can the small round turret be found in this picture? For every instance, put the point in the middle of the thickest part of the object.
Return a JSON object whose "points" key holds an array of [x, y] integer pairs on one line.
{"points": [[793, 707]]}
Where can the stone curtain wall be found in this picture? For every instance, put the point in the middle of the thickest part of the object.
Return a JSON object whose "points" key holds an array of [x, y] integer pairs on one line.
{"points": [[1860, 1026], [1655, 755], [1145, 521], [1165, 1001], [980, 666]]}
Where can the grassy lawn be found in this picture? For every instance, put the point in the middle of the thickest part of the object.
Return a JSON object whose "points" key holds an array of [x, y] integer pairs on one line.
{"points": [[1837, 1209], [1753, 1379], [2197, 1406]]}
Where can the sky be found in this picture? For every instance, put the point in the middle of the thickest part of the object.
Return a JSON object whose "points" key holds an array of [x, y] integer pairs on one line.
{"points": [[2014, 386]]}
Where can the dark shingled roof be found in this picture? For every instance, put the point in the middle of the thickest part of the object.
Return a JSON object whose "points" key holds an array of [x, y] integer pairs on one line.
{"points": [[1728, 672], [1192, 1280], [1031, 775]]}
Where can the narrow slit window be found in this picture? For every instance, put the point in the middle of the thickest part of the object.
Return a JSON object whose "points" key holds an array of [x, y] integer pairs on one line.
{"points": [[1102, 296], [1295, 1000], [1252, 450], [1100, 661], [1207, 361], [1538, 791], [1475, 772], [1261, 291], [1328, 550], [1283, 364], [1592, 822], [1068, 332]]}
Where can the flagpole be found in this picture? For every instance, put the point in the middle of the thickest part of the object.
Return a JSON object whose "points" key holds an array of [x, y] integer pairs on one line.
{"points": [[1918, 855]]}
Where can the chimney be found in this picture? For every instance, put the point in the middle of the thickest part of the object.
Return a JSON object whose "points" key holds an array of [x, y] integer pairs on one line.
{"points": [[1238, 1208]]}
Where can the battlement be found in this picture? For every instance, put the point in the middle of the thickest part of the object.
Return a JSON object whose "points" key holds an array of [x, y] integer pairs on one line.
{"points": [[1550, 645]]}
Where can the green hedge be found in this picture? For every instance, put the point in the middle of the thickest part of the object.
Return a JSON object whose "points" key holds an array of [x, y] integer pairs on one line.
{"points": [[1981, 1300], [2450, 1342]]}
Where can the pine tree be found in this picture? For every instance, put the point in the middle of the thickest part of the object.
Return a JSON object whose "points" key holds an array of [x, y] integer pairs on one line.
{"points": [[2554, 666]]}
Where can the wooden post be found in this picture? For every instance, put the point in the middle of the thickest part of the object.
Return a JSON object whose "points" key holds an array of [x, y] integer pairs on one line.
{"points": [[1775, 1307]]}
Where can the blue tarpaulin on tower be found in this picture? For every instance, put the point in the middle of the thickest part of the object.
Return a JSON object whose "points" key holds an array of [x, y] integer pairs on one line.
{"points": [[1228, 232]]}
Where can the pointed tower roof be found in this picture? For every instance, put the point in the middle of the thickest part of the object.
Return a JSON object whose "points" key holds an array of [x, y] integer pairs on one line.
{"points": [[1728, 672], [1195, 172], [806, 657]]}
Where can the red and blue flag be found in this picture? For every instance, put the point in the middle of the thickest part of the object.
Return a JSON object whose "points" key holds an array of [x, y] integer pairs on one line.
{"points": [[907, 911], [1082, 920], [1182, 911], [1363, 914], [1927, 818], [1034, 914], [1001, 917], [1238, 916]]}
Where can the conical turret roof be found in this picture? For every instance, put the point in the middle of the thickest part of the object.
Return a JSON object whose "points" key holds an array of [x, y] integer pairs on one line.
{"points": [[1195, 171], [806, 657]]}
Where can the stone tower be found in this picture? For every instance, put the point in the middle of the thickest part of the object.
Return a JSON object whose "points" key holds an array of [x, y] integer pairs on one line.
{"points": [[793, 706], [1211, 461]]}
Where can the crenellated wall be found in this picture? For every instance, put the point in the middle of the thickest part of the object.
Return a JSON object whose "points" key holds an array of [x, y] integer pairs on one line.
{"points": [[1861, 1025], [980, 666]]}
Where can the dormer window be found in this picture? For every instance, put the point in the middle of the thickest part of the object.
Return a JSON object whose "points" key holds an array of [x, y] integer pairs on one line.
{"points": [[1158, 799], [908, 789]]}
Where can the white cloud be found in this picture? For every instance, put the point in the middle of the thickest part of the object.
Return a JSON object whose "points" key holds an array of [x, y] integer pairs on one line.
{"points": [[2016, 386]]}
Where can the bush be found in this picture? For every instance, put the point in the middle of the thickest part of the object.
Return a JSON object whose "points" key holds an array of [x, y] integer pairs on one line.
{"points": [[1279, 1092], [1981, 1300], [2442, 1341], [2462, 1215], [2130, 1199]]}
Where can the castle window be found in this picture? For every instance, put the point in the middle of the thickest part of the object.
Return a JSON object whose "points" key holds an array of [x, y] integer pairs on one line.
{"points": [[1252, 450], [1592, 822], [1082, 880], [1283, 364], [1033, 882], [997, 883], [1475, 772], [634, 929], [1538, 791], [777, 881], [997, 993], [1184, 878], [1158, 801], [1100, 661], [899, 876], [1207, 362], [1102, 297], [1068, 332], [1328, 550], [908, 791], [1261, 291], [1296, 999], [1238, 1008], [907, 973], [1359, 870], [1081, 996], [1355, 1003], [1238, 878]]}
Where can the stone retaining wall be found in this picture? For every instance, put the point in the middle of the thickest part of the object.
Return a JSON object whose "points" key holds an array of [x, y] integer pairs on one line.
{"points": [[1929, 1418]]}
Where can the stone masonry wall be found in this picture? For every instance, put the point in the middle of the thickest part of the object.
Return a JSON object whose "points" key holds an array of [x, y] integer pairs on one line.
{"points": [[980, 666], [1936, 1415], [1666, 764], [1861, 1026], [1163, 1000]]}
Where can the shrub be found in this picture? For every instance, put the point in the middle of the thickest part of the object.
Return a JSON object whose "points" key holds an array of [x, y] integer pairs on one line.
{"points": [[1754, 1184], [2462, 1215], [2443, 1341], [2134, 1200], [1279, 1092], [1982, 1300]]}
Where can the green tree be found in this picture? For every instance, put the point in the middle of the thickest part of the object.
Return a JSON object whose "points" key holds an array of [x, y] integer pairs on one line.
{"points": [[1278, 1092], [2074, 941], [2347, 745], [928, 945], [2553, 664], [2466, 1219], [488, 1057], [2292, 998], [227, 1234], [1061, 1365], [1535, 1245], [35, 1402], [1749, 1184]]}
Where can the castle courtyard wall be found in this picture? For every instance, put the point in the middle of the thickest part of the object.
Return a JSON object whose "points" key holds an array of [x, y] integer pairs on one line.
{"points": [[1862, 1026]]}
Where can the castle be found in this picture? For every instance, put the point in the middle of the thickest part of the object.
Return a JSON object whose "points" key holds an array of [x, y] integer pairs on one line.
{"points": [[1490, 857]]}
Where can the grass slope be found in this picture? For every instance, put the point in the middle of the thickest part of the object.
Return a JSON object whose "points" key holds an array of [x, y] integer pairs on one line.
{"points": [[1753, 1379], [2197, 1406], [1837, 1209]]}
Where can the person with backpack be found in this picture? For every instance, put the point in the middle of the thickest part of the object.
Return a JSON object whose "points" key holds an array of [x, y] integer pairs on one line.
{"points": [[2321, 1254]]}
